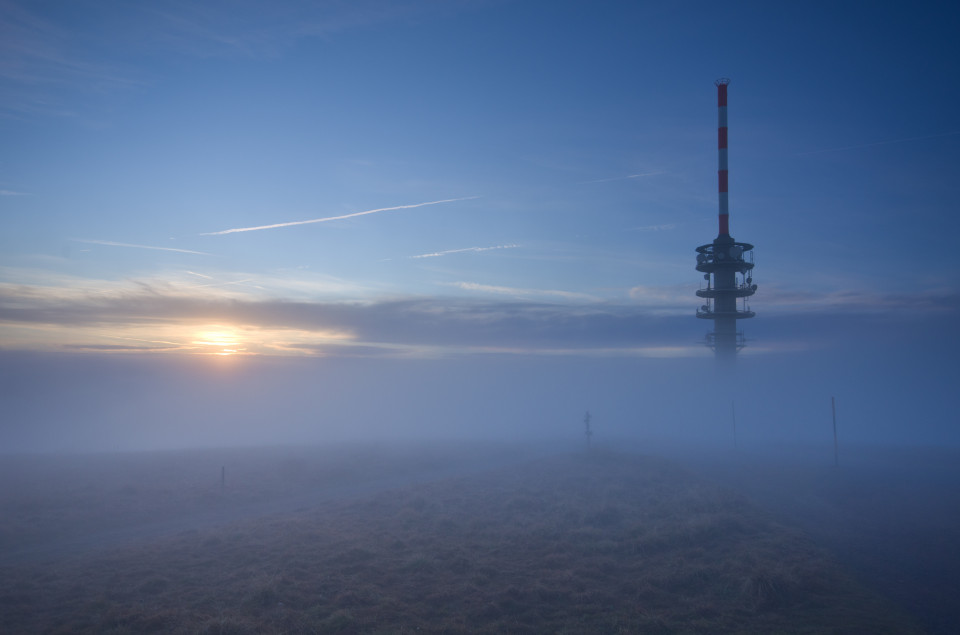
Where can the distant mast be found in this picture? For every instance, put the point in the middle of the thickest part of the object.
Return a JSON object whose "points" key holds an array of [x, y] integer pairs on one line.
{"points": [[723, 197], [721, 261]]}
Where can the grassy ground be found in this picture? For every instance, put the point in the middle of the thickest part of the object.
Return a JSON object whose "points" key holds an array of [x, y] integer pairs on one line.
{"points": [[598, 543], [890, 515]]}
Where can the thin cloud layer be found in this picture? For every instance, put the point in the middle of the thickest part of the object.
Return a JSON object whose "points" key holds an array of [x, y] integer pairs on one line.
{"points": [[46, 60], [517, 292], [677, 298], [159, 319], [141, 317], [779, 299]]}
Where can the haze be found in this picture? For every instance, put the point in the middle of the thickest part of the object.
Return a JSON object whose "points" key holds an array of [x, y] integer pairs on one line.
{"points": [[467, 219], [291, 224]]}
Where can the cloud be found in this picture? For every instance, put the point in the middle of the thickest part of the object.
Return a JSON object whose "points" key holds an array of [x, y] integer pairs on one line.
{"points": [[44, 51], [143, 316], [167, 319], [777, 298], [225, 283], [47, 60], [127, 348], [464, 250], [333, 218], [519, 292], [12, 193], [672, 299], [115, 244]]}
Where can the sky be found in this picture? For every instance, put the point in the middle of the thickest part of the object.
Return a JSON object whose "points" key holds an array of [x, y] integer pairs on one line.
{"points": [[466, 216]]}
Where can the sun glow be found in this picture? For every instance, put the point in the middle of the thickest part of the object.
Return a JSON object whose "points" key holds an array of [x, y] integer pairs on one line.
{"points": [[223, 342]]}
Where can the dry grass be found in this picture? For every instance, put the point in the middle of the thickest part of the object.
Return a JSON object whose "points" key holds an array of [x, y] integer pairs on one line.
{"points": [[603, 543]]}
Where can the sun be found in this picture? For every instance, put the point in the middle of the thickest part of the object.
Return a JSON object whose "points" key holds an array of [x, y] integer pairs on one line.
{"points": [[221, 341]]}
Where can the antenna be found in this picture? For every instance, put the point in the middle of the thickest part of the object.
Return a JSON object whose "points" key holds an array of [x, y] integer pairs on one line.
{"points": [[724, 215], [727, 265]]}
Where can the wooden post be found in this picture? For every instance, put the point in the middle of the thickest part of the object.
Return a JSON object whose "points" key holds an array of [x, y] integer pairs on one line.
{"points": [[836, 452]]}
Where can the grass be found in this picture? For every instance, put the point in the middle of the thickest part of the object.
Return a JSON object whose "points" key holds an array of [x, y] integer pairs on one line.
{"points": [[598, 543]]}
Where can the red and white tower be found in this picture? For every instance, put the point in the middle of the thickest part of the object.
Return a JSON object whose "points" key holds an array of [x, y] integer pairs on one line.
{"points": [[727, 265], [722, 156]]}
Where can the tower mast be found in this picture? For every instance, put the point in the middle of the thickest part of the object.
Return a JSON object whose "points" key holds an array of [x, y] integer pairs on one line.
{"points": [[723, 260]]}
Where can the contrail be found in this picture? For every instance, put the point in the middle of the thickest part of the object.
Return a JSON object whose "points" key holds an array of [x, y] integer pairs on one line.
{"points": [[330, 218], [465, 249], [655, 228], [622, 178], [113, 244], [878, 143]]}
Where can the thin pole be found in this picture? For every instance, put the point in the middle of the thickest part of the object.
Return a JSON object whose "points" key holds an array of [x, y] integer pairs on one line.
{"points": [[733, 411], [589, 432], [836, 454]]}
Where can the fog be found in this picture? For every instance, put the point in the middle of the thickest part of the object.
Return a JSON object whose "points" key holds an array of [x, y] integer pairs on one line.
{"points": [[127, 466], [303, 307], [893, 381]]}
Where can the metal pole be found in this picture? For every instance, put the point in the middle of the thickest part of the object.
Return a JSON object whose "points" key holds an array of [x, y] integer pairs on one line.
{"points": [[836, 454], [733, 412]]}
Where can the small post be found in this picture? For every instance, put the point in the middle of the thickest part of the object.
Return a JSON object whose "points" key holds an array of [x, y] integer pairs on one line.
{"points": [[733, 413], [836, 452], [223, 477], [588, 432]]}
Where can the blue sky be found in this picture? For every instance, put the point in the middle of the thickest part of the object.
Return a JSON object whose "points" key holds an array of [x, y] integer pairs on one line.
{"points": [[486, 177]]}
